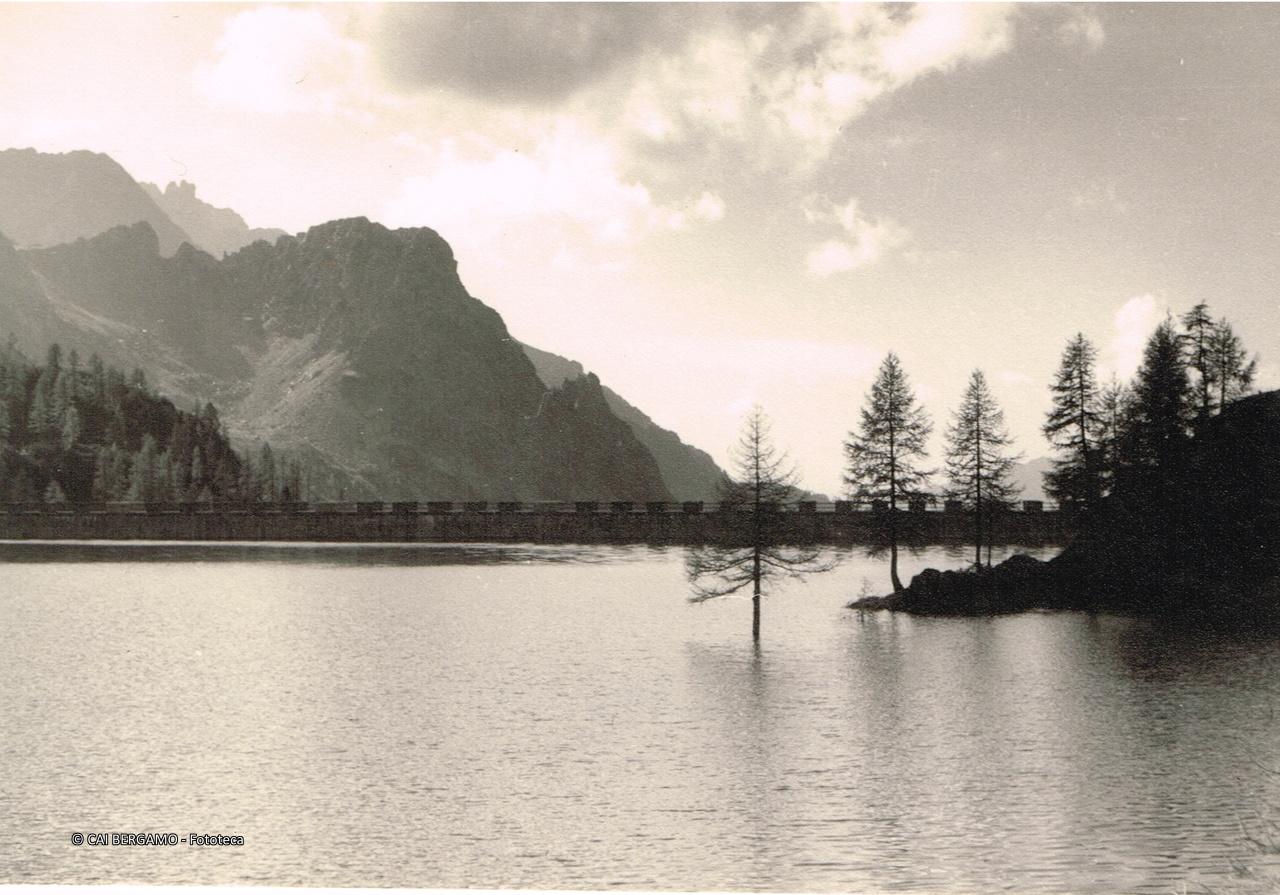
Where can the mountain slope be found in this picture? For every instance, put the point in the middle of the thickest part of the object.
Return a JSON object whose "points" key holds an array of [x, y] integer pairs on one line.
{"points": [[48, 199], [689, 473], [1028, 475], [219, 231], [351, 343]]}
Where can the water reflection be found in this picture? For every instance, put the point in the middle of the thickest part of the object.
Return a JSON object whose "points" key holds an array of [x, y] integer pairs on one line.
{"points": [[562, 718], [320, 554]]}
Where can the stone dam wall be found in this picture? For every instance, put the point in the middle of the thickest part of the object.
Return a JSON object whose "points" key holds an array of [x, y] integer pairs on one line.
{"points": [[582, 522]]}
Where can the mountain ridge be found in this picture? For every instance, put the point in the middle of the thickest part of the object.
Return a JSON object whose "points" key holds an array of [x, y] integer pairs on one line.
{"points": [[218, 231], [335, 342], [690, 473], [49, 199]]}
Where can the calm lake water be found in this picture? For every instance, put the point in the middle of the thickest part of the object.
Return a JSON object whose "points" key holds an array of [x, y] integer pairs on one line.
{"points": [[561, 717]]}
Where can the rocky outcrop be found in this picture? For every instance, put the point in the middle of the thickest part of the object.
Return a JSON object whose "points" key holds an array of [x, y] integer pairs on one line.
{"points": [[1206, 540], [689, 473], [218, 231], [1020, 582]]}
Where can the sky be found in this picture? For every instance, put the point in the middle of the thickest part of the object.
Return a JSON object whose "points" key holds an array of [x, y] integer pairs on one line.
{"points": [[715, 205]]}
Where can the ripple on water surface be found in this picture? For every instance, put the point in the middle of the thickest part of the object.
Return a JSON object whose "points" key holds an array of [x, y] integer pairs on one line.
{"points": [[561, 717]]}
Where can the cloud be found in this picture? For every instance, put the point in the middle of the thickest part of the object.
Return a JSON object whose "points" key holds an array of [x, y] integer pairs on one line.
{"points": [[1134, 322], [782, 87], [939, 36], [1083, 28], [279, 60], [707, 209], [866, 241], [570, 185], [567, 176], [787, 76], [522, 52]]}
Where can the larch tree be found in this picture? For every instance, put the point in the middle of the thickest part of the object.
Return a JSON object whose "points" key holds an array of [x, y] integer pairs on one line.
{"points": [[1115, 405], [1197, 338], [1162, 405], [1074, 427], [1233, 371], [763, 478], [884, 456], [978, 463]]}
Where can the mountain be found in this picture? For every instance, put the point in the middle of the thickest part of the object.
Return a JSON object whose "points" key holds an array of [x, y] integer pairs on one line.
{"points": [[1029, 475], [353, 346], [219, 231], [690, 474], [48, 199]]}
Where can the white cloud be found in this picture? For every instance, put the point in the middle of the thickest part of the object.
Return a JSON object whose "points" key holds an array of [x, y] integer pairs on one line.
{"points": [[939, 36], [278, 60], [785, 89], [568, 176], [1083, 28], [866, 241], [1134, 322], [709, 207]]}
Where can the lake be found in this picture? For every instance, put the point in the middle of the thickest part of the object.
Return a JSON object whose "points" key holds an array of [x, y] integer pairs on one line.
{"points": [[562, 717]]}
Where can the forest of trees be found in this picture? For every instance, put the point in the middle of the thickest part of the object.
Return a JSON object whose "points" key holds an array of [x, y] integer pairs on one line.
{"points": [[1131, 443], [78, 432], [1135, 437]]}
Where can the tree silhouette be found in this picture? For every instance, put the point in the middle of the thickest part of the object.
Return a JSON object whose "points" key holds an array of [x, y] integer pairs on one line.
{"points": [[1162, 401], [1074, 427], [883, 456], [1233, 372], [978, 465], [1196, 341], [1115, 407], [754, 553]]}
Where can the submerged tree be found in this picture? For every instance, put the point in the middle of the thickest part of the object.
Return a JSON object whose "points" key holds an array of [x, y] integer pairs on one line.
{"points": [[883, 456], [978, 464], [1074, 427], [763, 478]]}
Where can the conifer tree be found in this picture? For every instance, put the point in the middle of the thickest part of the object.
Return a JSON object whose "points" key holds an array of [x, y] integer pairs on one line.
{"points": [[1196, 345], [142, 475], [268, 486], [1233, 372], [1115, 405], [978, 462], [1162, 401], [884, 455], [98, 379], [1074, 427], [23, 490], [196, 480], [39, 413], [103, 488], [71, 428], [763, 478]]}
